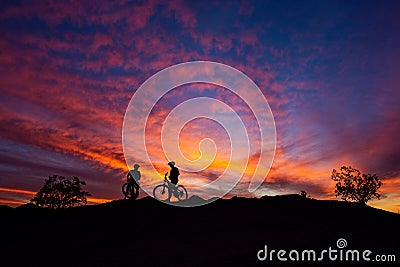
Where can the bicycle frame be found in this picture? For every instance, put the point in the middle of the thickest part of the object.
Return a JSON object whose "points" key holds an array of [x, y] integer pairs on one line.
{"points": [[178, 191], [169, 185]]}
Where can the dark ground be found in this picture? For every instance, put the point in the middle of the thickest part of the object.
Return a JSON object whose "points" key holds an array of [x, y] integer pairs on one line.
{"points": [[224, 233]]}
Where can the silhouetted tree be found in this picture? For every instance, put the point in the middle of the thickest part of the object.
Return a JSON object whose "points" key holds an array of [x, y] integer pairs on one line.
{"points": [[59, 192], [303, 193], [352, 185]]}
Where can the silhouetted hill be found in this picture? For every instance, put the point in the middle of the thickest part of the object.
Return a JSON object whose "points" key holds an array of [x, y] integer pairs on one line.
{"points": [[224, 233]]}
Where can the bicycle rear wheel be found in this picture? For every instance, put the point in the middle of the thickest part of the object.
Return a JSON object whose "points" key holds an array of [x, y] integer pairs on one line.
{"points": [[181, 192], [160, 192]]}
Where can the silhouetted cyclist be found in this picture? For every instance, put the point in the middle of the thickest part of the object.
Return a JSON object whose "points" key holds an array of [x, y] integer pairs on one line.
{"points": [[134, 175], [173, 177], [130, 189]]}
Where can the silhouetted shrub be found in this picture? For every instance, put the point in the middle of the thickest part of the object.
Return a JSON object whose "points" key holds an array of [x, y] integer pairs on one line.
{"points": [[59, 192], [352, 185], [303, 193]]}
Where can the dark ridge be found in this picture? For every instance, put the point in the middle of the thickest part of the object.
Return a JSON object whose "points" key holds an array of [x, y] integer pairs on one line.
{"points": [[5, 210], [226, 232]]}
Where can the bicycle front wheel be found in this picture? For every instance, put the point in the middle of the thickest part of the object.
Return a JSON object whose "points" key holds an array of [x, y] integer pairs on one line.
{"points": [[125, 190], [181, 192], [130, 191], [160, 192]]}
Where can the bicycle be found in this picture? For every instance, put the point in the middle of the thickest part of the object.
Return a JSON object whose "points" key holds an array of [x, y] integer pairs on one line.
{"points": [[130, 189], [160, 192]]}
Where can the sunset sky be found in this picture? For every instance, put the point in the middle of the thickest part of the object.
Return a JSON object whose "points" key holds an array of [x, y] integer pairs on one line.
{"points": [[330, 71]]}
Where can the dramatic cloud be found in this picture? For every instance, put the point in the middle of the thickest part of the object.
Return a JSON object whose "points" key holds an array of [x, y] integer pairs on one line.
{"points": [[329, 71]]}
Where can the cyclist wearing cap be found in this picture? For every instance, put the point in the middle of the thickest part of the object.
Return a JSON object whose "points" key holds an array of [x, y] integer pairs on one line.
{"points": [[134, 175], [173, 176]]}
